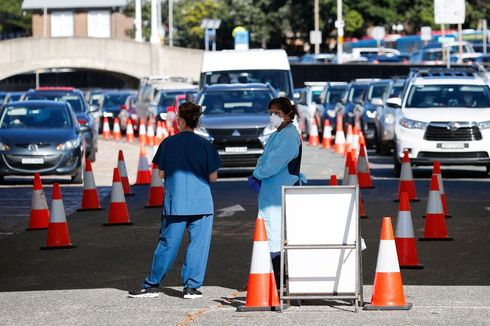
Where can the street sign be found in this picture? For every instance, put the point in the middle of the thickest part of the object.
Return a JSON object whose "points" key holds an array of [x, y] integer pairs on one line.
{"points": [[426, 33], [315, 37], [339, 24], [378, 33], [449, 11]]}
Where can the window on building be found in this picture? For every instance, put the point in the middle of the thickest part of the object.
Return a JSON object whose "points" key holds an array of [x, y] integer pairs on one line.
{"points": [[62, 24], [99, 23]]}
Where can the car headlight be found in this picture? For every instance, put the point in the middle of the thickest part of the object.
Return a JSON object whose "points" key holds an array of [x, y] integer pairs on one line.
{"points": [[371, 114], [331, 113], [201, 131], [266, 133], [4, 147], [484, 125], [389, 118], [163, 115], [412, 124], [71, 144]]}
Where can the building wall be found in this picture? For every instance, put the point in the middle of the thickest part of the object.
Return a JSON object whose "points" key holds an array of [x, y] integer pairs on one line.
{"points": [[38, 24], [119, 24], [80, 24]]}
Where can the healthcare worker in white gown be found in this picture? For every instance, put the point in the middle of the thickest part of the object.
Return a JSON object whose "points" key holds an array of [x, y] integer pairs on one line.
{"points": [[278, 166]]}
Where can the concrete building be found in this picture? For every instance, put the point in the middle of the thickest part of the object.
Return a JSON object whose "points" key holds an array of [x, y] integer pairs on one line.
{"points": [[79, 18]]}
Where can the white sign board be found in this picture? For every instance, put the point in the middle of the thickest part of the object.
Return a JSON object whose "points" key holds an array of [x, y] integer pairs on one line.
{"points": [[321, 216], [315, 37], [426, 33], [378, 33], [449, 11]]}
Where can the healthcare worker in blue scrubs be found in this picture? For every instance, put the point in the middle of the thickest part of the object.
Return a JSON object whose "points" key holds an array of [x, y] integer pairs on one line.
{"points": [[187, 163], [278, 166]]}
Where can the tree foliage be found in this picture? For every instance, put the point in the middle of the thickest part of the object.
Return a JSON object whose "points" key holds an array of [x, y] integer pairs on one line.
{"points": [[12, 19]]}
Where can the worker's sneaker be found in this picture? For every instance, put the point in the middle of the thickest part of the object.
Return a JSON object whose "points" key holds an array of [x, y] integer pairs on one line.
{"points": [[151, 292], [190, 293]]}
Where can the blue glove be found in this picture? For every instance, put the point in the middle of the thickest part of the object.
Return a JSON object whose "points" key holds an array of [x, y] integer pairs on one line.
{"points": [[254, 183]]}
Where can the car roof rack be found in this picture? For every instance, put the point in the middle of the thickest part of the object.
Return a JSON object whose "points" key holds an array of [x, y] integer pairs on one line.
{"points": [[444, 72]]}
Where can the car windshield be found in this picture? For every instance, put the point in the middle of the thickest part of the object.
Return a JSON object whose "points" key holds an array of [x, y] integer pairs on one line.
{"points": [[114, 100], [432, 55], [356, 92], [377, 91], [315, 96], [168, 98], [396, 90], [334, 95], [35, 117], [74, 100], [235, 102], [430, 96]]}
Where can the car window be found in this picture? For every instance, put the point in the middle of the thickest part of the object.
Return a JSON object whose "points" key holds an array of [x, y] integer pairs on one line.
{"points": [[356, 92], [334, 95], [468, 96], [316, 96], [114, 100], [74, 100], [377, 91], [35, 117], [236, 101]]}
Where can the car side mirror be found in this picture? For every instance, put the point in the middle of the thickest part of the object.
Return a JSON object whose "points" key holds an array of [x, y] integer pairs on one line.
{"points": [[377, 101], [394, 102]]}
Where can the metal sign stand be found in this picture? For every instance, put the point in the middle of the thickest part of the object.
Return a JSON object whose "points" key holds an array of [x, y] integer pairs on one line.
{"points": [[357, 296]]}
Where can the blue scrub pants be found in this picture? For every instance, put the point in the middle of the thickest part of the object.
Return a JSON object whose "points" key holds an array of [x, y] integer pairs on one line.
{"points": [[196, 257]]}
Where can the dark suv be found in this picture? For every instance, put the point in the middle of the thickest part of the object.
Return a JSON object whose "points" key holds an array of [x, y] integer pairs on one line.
{"points": [[235, 119], [74, 97]]}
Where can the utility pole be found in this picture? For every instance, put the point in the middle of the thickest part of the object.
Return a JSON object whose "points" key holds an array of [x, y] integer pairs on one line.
{"points": [[137, 22], [170, 23], [45, 21], [339, 24], [317, 25], [154, 38]]}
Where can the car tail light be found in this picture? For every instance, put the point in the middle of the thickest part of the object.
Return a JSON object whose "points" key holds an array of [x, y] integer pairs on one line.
{"points": [[82, 122]]}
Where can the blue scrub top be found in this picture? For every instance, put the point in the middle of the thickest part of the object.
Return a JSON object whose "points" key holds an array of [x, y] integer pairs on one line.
{"points": [[187, 160]]}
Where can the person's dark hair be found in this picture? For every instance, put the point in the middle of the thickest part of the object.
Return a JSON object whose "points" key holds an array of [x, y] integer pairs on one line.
{"points": [[190, 112], [284, 104]]}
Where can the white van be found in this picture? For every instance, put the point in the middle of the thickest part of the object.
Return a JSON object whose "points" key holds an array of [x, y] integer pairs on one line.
{"points": [[251, 66]]}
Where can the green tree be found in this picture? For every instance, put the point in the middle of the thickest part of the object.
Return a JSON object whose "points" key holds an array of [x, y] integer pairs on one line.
{"points": [[13, 20]]}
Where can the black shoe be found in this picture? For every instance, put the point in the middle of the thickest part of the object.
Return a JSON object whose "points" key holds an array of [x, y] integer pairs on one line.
{"points": [[190, 293], [144, 293]]}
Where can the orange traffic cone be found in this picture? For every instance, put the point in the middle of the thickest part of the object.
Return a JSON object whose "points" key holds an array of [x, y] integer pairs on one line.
{"points": [[106, 130], [313, 139], [327, 135], [116, 130], [39, 218], [159, 133], [348, 161], [348, 139], [388, 287], [118, 211], [353, 180], [339, 145], [155, 197], [437, 171], [58, 234], [435, 224], [355, 140], [143, 176], [404, 236], [333, 180], [129, 132], [407, 184], [123, 173], [261, 289], [363, 171], [90, 198], [150, 133], [142, 132]]}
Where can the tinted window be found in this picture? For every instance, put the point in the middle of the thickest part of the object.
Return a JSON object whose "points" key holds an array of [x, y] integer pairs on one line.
{"points": [[114, 100], [316, 96], [356, 92], [167, 98], [35, 117], [377, 91], [240, 101], [74, 100], [334, 95], [396, 90], [469, 96]]}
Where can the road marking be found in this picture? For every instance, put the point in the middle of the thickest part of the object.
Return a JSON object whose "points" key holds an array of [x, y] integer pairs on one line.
{"points": [[229, 211]]}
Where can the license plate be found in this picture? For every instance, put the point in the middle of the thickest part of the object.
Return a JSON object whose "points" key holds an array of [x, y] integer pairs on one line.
{"points": [[236, 149], [32, 161], [453, 146]]}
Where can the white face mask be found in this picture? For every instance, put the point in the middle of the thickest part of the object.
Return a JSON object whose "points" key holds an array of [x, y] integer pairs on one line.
{"points": [[275, 120]]}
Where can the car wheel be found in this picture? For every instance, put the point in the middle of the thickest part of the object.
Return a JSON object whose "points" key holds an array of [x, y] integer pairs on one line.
{"points": [[78, 177], [397, 164]]}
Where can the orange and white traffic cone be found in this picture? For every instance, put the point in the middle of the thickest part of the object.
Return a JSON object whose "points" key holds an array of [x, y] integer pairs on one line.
{"points": [[261, 289], [123, 173], [339, 145], [118, 211], [435, 224], [355, 144], [388, 287], [142, 132], [39, 217], [129, 132], [90, 198], [159, 133], [353, 181], [157, 191], [404, 236], [327, 135], [116, 130], [348, 140], [407, 184], [363, 171], [106, 130], [437, 171], [58, 235], [150, 133], [313, 139], [333, 180], [348, 161], [143, 176]]}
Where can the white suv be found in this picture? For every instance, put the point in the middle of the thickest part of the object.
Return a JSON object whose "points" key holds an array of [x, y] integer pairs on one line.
{"points": [[445, 116]]}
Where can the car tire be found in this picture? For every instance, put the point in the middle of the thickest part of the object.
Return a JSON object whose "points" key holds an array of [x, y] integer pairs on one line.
{"points": [[78, 177], [397, 164]]}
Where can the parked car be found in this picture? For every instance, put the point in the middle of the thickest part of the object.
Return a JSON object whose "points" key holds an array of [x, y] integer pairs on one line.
{"points": [[444, 115], [375, 96], [166, 98], [84, 113], [12, 97], [309, 106], [351, 103], [128, 112], [235, 119], [2, 96], [330, 99], [111, 105], [41, 136]]}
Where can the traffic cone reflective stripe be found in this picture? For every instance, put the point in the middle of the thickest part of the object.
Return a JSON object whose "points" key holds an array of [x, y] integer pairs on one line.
{"points": [[116, 132], [313, 139], [150, 133], [159, 133], [333, 180], [388, 288], [407, 184], [405, 237], [106, 130], [348, 161], [58, 236], [339, 145], [435, 223], [156, 194], [363, 171], [327, 135], [39, 216], [129, 131], [121, 165], [118, 211], [90, 198], [143, 176], [437, 171], [142, 132], [261, 289], [355, 140]]}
